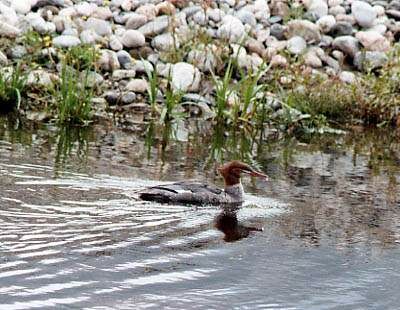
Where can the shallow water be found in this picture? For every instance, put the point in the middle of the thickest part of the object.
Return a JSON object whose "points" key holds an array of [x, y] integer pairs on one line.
{"points": [[75, 236]]}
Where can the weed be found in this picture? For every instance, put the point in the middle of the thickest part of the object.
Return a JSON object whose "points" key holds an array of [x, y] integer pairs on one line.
{"points": [[152, 90], [222, 91], [172, 100], [12, 85]]}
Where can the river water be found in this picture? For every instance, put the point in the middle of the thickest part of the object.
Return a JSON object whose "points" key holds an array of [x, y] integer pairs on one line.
{"points": [[323, 233]]}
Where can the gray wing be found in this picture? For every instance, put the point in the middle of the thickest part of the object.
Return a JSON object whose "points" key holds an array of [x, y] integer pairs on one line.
{"points": [[183, 193]]}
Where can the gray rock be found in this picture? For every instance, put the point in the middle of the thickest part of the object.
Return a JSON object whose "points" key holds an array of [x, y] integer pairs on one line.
{"points": [[101, 27], [164, 42], [115, 44], [137, 86], [369, 60], [112, 97], [200, 18], [18, 51], [311, 59], [305, 29], [185, 77], [278, 31], [341, 28], [296, 45], [108, 60], [123, 74], [21, 6], [231, 29], [66, 41], [347, 77], [141, 66], [128, 97], [363, 13], [89, 36], [41, 78], [39, 24], [8, 30], [203, 58], [157, 26], [373, 41], [347, 44], [133, 38], [94, 79], [135, 21], [125, 59], [246, 17], [394, 14], [337, 10], [317, 8], [326, 23]]}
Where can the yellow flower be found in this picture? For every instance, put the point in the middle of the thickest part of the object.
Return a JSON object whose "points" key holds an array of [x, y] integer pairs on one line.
{"points": [[84, 17]]}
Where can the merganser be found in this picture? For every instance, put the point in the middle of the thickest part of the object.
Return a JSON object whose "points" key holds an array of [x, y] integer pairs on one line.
{"points": [[204, 194]]}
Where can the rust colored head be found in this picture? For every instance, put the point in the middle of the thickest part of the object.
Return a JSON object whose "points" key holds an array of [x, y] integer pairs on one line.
{"points": [[231, 172]]}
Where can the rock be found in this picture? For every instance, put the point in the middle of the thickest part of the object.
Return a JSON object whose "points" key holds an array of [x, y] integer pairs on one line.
{"points": [[278, 61], [203, 58], [41, 78], [317, 8], [123, 74], [101, 27], [305, 29], [8, 15], [128, 97], [89, 36], [185, 77], [164, 42], [115, 44], [166, 8], [332, 63], [133, 38], [22, 6], [108, 60], [296, 45], [8, 30], [380, 10], [66, 41], [85, 8], [326, 41], [311, 59], [124, 59], [373, 41], [363, 13], [261, 10], [255, 46], [370, 60], [93, 79], [231, 29], [3, 59], [112, 97], [135, 21], [347, 44], [141, 66], [379, 28], [394, 14], [137, 86], [337, 10], [39, 24], [347, 77], [246, 17], [326, 23], [216, 15], [102, 12], [341, 29], [200, 18], [18, 51], [148, 10], [332, 3], [278, 31], [157, 26]]}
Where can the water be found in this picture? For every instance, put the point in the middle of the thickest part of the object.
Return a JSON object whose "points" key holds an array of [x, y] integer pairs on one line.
{"points": [[324, 233]]}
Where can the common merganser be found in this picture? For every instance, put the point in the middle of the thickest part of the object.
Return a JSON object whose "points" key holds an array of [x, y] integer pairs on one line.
{"points": [[204, 194]]}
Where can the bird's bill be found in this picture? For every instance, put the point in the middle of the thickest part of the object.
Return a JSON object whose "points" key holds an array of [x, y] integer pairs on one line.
{"points": [[256, 174]]}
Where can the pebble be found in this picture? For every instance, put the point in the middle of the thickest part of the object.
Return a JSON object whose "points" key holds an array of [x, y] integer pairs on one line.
{"points": [[137, 86], [363, 13], [185, 77], [108, 60], [296, 45], [157, 26], [347, 77], [135, 21], [347, 44], [231, 29], [101, 27], [124, 59], [133, 38], [373, 41], [326, 23], [66, 41], [305, 29]]}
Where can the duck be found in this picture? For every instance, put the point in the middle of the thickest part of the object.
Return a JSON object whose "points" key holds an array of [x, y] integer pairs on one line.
{"points": [[197, 193]]}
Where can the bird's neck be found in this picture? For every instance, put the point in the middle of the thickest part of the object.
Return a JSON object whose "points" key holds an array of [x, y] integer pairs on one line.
{"points": [[235, 191]]}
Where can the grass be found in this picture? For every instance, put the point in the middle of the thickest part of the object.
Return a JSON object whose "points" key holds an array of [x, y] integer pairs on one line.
{"points": [[11, 87], [153, 80], [172, 99], [223, 91], [73, 95]]}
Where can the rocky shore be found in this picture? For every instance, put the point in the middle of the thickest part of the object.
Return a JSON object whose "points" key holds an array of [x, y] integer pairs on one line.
{"points": [[188, 42]]}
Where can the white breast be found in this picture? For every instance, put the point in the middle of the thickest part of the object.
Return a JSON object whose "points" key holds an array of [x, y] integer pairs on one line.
{"points": [[235, 192]]}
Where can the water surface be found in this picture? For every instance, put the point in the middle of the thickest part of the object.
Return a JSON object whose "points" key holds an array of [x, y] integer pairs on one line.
{"points": [[75, 236]]}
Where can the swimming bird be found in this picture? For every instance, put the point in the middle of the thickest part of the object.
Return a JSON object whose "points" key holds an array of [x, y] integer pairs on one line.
{"points": [[197, 193]]}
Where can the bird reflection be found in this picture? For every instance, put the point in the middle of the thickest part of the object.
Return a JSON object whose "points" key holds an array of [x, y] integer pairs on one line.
{"points": [[227, 222]]}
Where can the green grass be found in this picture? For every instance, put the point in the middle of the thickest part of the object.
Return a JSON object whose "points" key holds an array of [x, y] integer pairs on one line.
{"points": [[12, 86], [223, 90], [153, 80]]}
